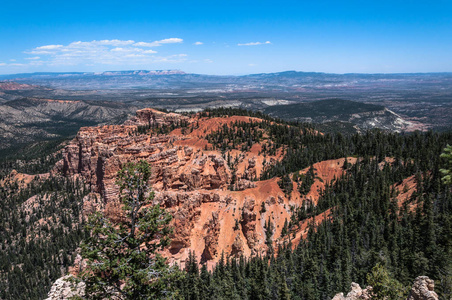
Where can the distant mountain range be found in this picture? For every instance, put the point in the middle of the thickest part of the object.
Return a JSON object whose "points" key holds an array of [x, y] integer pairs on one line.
{"points": [[290, 73], [289, 81], [106, 73]]}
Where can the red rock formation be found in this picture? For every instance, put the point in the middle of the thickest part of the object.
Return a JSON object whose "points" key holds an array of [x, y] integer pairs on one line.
{"points": [[192, 182], [149, 116]]}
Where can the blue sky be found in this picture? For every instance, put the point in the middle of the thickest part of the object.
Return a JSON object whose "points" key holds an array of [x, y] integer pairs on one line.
{"points": [[227, 37]]}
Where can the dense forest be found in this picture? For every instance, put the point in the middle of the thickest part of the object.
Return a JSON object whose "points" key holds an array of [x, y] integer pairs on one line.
{"points": [[40, 223], [366, 227]]}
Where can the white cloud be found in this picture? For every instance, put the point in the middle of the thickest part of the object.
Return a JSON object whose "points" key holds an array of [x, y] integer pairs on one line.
{"points": [[255, 43], [2, 64], [144, 44], [108, 52], [198, 43], [127, 50], [170, 41], [115, 42], [49, 47], [159, 43]]}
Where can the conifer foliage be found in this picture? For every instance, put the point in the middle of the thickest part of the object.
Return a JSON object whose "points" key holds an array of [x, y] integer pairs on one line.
{"points": [[122, 257], [447, 171], [40, 229]]}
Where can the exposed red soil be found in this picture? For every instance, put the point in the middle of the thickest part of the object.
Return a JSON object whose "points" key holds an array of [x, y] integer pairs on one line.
{"points": [[405, 192]]}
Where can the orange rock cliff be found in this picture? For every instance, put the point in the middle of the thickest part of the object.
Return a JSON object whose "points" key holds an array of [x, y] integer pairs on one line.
{"points": [[192, 181]]}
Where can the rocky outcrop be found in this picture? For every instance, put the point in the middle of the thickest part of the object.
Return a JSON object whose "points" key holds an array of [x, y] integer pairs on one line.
{"points": [[152, 117], [63, 288], [356, 293], [237, 246], [248, 223], [211, 239], [423, 289]]}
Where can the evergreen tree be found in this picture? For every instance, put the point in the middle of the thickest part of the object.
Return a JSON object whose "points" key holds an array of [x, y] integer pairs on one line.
{"points": [[384, 286], [447, 171], [122, 257]]}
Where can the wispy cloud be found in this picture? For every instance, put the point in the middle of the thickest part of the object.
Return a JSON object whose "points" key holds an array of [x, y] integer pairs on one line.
{"points": [[14, 64], [107, 52], [48, 47], [198, 43], [159, 43], [255, 43]]}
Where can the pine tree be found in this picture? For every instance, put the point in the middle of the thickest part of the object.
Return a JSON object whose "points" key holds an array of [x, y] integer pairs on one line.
{"points": [[121, 257], [447, 171], [383, 285]]}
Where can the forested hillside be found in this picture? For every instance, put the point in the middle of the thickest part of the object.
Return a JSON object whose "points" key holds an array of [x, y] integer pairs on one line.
{"points": [[368, 223], [40, 222]]}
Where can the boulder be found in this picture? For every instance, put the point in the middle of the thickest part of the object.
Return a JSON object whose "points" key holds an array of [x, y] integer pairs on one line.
{"points": [[423, 289]]}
